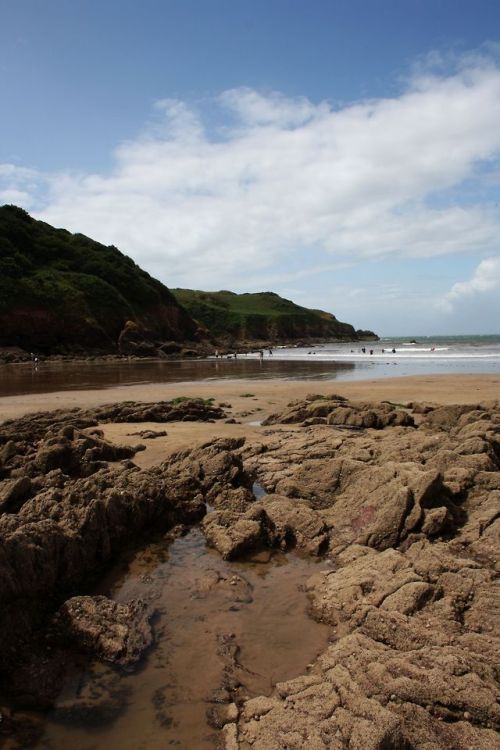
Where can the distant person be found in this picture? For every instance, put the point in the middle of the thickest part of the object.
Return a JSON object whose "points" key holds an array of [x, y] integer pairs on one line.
{"points": [[371, 351], [393, 350], [261, 355], [383, 351], [363, 350], [216, 354], [270, 352]]}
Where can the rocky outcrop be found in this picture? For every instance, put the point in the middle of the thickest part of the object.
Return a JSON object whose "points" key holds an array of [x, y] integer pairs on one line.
{"points": [[275, 522], [404, 509], [412, 591], [107, 630], [70, 500], [336, 411]]}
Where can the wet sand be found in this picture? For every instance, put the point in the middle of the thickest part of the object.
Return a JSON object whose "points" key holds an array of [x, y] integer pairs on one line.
{"points": [[216, 623]]}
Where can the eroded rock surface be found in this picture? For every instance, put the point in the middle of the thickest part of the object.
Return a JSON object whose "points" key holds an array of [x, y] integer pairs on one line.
{"points": [[69, 501], [114, 632], [403, 501], [412, 519]]}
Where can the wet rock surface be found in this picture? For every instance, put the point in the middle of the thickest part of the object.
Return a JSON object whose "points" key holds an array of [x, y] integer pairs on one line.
{"points": [[110, 631], [412, 518], [402, 504], [69, 500]]}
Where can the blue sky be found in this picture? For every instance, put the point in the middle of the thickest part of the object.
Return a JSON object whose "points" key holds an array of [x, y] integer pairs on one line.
{"points": [[343, 154]]}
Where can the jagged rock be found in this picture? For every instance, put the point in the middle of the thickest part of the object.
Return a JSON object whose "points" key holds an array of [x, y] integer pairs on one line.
{"points": [[149, 434], [274, 522], [289, 524], [338, 412], [230, 535], [14, 493], [74, 525], [408, 515], [402, 664], [415, 661], [113, 632], [222, 714]]}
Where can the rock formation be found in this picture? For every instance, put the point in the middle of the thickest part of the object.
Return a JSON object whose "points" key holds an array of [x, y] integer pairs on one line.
{"points": [[401, 500]]}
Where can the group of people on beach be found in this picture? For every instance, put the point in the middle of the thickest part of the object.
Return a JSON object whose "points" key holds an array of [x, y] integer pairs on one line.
{"points": [[234, 355], [363, 350]]}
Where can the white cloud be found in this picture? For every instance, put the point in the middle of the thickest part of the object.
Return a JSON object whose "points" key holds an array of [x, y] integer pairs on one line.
{"points": [[254, 108], [486, 279], [285, 179]]}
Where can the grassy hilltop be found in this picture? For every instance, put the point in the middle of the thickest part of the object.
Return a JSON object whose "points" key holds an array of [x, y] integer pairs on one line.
{"points": [[262, 316], [64, 291]]}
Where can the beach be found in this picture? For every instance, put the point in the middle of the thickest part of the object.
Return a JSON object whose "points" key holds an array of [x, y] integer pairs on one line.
{"points": [[295, 544]]}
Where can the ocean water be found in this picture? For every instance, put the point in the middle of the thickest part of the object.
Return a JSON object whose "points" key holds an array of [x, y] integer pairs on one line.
{"points": [[327, 362], [406, 355]]}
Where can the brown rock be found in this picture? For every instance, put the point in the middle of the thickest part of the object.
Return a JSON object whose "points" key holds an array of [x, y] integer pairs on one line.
{"points": [[118, 633]]}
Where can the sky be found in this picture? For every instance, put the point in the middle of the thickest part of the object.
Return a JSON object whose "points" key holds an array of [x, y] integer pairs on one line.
{"points": [[342, 153]]}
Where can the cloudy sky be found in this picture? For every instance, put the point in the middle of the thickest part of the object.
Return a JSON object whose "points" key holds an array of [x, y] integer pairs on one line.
{"points": [[343, 154]]}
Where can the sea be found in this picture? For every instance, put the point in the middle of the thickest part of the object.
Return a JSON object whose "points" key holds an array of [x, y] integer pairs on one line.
{"points": [[392, 356]]}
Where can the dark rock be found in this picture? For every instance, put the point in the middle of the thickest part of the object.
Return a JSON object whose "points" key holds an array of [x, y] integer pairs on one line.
{"points": [[13, 494], [113, 632]]}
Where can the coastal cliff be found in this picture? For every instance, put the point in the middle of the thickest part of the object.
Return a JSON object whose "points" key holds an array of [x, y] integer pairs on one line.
{"points": [[263, 316], [66, 293]]}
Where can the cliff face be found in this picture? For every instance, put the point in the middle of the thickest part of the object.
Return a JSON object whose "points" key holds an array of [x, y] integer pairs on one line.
{"points": [[261, 317], [65, 292]]}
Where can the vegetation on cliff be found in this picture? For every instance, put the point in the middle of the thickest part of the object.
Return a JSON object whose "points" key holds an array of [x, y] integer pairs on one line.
{"points": [[59, 289], [261, 316], [62, 292]]}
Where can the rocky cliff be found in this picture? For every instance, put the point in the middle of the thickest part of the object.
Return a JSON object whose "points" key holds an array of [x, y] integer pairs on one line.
{"points": [[264, 316], [63, 292]]}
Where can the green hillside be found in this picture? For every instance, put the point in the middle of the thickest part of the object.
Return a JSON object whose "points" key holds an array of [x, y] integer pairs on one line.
{"points": [[65, 290], [261, 316]]}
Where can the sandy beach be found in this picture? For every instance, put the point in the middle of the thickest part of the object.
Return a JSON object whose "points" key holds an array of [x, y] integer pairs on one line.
{"points": [[267, 395], [251, 402]]}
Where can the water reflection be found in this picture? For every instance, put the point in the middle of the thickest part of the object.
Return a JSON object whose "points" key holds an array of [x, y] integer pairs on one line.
{"points": [[25, 378]]}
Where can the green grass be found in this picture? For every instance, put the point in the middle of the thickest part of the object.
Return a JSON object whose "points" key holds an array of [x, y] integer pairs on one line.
{"points": [[262, 315], [182, 399]]}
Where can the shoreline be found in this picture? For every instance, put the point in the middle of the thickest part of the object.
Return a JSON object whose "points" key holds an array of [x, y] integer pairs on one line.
{"points": [[268, 395], [246, 403]]}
